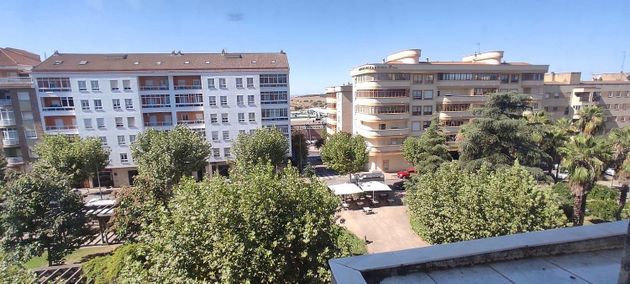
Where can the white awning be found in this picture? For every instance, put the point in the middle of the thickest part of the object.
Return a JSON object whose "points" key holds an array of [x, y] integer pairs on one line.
{"points": [[374, 186], [345, 188]]}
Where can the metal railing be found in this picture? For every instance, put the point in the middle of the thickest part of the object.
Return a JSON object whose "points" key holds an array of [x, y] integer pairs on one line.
{"points": [[197, 121], [57, 108], [158, 123], [7, 121], [187, 87], [152, 88], [5, 102], [10, 141], [60, 127], [16, 80]]}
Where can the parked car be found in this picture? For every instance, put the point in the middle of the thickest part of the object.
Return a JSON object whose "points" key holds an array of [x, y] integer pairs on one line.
{"points": [[405, 174], [367, 176]]}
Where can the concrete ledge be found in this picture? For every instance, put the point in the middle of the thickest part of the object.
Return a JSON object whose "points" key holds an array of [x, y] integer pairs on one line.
{"points": [[375, 267]]}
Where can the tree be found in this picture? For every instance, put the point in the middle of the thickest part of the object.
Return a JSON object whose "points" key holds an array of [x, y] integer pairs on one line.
{"points": [[583, 157], [164, 157], [40, 212], [619, 138], [12, 271], [299, 150], [549, 137], [427, 152], [3, 166], [450, 205], [106, 269], [500, 135], [258, 227], [591, 120], [262, 146], [79, 158], [345, 153]]}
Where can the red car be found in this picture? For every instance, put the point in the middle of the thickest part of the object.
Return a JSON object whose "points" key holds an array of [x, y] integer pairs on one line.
{"points": [[406, 173]]}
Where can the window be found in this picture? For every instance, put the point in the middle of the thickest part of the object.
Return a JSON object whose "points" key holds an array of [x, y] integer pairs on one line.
{"points": [[273, 80], [183, 100], [59, 103], [131, 121], [252, 131], [239, 83], [275, 114], [30, 133], [155, 101], [415, 126], [85, 105], [427, 94], [241, 132], [250, 99], [224, 101], [132, 138], [213, 118], [215, 135], [427, 110], [94, 85], [382, 126], [100, 123], [426, 124], [239, 100], [416, 110], [53, 84], [116, 104], [124, 158], [114, 85], [103, 140], [215, 153], [82, 86], [250, 83], [222, 84], [252, 117], [241, 117], [128, 104], [224, 118], [127, 85], [416, 94], [618, 94], [98, 105], [277, 97], [121, 140], [88, 123], [226, 152], [212, 101], [211, 83], [119, 122], [226, 135]]}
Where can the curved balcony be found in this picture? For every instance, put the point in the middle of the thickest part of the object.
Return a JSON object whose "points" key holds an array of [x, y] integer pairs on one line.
{"points": [[385, 149], [455, 114], [450, 99], [379, 117], [469, 83], [370, 133], [383, 84], [380, 101], [450, 129]]}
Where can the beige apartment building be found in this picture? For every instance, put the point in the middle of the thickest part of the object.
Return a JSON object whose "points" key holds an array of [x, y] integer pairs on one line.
{"points": [[566, 93], [399, 97], [19, 114], [339, 109]]}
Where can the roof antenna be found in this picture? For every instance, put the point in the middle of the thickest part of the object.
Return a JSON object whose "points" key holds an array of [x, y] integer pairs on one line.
{"points": [[623, 61]]}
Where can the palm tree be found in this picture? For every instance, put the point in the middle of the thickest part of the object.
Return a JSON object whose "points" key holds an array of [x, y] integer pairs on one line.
{"points": [[619, 138], [583, 157], [591, 120]]}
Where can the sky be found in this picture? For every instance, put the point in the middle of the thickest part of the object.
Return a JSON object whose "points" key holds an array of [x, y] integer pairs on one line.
{"points": [[325, 39]]}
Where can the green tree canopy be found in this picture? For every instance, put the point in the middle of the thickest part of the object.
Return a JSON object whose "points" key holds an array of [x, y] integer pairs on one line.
{"points": [[500, 135], [451, 205], [590, 121], [427, 152], [256, 227], [583, 157], [40, 212], [619, 138], [12, 271], [79, 158], [164, 157], [262, 146], [299, 150], [345, 153]]}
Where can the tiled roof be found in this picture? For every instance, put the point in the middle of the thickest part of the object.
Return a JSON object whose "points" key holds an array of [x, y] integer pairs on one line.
{"points": [[14, 57], [76, 62]]}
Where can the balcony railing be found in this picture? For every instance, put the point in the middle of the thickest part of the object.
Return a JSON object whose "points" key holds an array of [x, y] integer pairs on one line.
{"points": [[15, 160], [16, 81], [60, 127], [188, 122], [5, 102], [152, 88], [158, 123], [7, 121], [188, 87], [10, 141], [57, 108]]}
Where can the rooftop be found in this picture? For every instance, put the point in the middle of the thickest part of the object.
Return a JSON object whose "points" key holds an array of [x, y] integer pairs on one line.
{"points": [[588, 254], [174, 61], [17, 57]]}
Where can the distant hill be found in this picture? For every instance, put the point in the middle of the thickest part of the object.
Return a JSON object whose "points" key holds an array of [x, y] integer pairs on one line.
{"points": [[308, 101]]}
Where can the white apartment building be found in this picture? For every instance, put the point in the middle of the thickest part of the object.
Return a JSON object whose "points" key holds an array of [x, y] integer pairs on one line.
{"points": [[116, 96], [339, 109]]}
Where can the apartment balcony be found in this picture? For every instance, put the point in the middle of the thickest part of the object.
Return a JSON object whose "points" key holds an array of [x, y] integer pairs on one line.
{"points": [[385, 149], [452, 99], [456, 114], [187, 82], [382, 101], [14, 161], [6, 102], [60, 124], [158, 123], [191, 119], [62, 129], [153, 83], [10, 142], [450, 129], [371, 133], [7, 122], [469, 83], [383, 84], [379, 117], [161, 120], [16, 82]]}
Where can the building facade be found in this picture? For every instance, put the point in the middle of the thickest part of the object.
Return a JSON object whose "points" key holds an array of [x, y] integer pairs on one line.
{"points": [[116, 96], [399, 97], [19, 113], [566, 93], [339, 108]]}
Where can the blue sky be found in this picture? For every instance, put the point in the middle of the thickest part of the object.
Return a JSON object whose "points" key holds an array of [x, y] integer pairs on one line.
{"points": [[325, 39]]}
